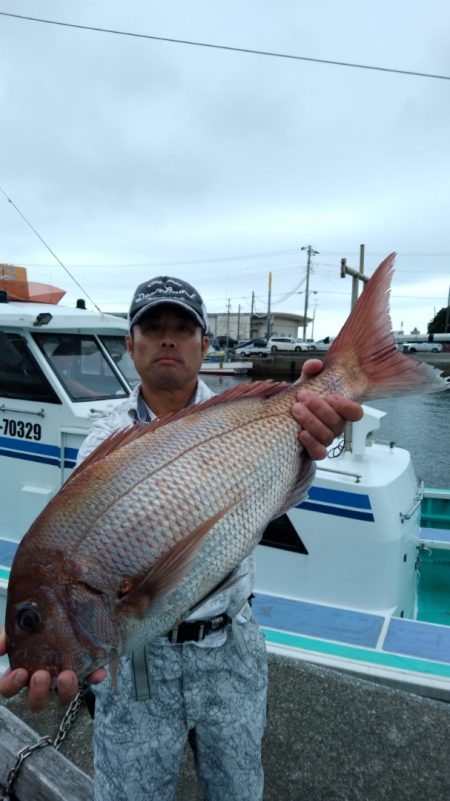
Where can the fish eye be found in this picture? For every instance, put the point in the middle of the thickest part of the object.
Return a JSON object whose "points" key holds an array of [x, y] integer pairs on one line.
{"points": [[29, 618]]}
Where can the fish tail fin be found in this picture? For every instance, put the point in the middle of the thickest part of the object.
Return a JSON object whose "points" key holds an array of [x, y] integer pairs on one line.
{"points": [[366, 344]]}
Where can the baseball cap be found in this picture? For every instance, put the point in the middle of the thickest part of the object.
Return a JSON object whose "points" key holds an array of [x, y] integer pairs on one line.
{"points": [[165, 289]]}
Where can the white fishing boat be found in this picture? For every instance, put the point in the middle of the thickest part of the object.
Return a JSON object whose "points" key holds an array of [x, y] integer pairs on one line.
{"points": [[225, 368], [216, 363], [357, 577], [344, 580]]}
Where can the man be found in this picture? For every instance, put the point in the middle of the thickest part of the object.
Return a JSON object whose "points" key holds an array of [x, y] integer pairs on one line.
{"points": [[208, 677]]}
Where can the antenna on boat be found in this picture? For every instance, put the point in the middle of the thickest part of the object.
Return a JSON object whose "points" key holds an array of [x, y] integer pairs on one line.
{"points": [[49, 249]]}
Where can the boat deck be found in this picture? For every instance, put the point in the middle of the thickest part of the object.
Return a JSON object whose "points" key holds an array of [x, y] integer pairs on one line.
{"points": [[435, 538], [398, 649]]}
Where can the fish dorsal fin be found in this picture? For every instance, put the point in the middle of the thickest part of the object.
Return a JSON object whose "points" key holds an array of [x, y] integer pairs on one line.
{"points": [[149, 590], [257, 389], [110, 444]]}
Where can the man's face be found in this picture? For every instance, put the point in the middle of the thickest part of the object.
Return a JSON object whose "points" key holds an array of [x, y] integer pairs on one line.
{"points": [[167, 348]]}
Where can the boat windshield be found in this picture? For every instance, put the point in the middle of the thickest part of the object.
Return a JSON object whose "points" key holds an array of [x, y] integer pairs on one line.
{"points": [[115, 345], [20, 374], [81, 366]]}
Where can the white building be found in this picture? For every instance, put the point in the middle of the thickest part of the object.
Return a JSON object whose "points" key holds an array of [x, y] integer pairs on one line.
{"points": [[248, 326]]}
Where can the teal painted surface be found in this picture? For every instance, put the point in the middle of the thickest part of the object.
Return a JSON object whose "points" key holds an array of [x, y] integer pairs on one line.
{"points": [[435, 511], [433, 601], [357, 654]]}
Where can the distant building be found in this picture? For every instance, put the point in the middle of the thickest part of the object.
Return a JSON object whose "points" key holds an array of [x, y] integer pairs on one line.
{"points": [[249, 326]]}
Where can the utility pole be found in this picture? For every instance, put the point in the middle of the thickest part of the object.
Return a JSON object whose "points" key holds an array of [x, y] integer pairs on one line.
{"points": [[357, 275], [314, 316], [228, 324], [447, 312], [269, 297], [311, 252]]}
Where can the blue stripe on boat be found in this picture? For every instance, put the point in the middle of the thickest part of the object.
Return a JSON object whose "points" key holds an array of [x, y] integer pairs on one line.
{"points": [[315, 620], [29, 457], [336, 511], [30, 447], [71, 453], [339, 497], [37, 452]]}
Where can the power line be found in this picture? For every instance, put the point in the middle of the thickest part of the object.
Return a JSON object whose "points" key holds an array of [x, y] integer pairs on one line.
{"points": [[229, 48], [211, 259]]}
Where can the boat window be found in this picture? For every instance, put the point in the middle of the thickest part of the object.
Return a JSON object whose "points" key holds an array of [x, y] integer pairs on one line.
{"points": [[20, 375], [115, 345], [81, 366]]}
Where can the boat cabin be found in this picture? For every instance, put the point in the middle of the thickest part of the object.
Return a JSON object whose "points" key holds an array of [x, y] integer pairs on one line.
{"points": [[60, 369]]}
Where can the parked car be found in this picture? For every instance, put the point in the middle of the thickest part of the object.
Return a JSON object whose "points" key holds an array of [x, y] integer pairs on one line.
{"points": [[307, 344], [286, 344], [253, 347], [226, 342], [323, 344], [429, 347]]}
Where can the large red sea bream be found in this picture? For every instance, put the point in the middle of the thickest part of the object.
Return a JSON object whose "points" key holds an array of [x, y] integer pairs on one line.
{"points": [[157, 517]]}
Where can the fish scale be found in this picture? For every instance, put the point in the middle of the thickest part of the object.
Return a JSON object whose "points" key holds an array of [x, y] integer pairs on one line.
{"points": [[150, 502]]}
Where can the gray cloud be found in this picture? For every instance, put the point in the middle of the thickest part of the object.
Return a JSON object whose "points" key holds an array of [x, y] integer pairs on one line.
{"points": [[131, 153]]}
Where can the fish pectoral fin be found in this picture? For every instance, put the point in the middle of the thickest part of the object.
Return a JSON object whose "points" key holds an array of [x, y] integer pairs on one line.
{"points": [[300, 490], [150, 589]]}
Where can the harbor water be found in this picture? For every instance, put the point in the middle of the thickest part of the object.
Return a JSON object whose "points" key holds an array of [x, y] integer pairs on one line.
{"points": [[418, 423]]}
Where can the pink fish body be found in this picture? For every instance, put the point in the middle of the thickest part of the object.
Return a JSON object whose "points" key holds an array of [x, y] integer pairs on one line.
{"points": [[157, 517]]}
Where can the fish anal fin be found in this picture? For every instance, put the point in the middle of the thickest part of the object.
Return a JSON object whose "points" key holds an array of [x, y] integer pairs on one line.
{"points": [[149, 590]]}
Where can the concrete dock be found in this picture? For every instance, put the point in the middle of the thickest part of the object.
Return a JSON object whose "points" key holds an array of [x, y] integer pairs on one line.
{"points": [[330, 737], [289, 365]]}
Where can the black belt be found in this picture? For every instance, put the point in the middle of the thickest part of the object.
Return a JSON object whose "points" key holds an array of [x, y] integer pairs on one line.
{"points": [[197, 630]]}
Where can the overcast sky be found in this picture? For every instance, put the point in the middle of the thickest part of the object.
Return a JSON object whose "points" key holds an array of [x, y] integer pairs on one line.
{"points": [[133, 157]]}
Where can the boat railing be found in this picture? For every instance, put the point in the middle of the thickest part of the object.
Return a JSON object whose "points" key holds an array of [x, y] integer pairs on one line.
{"points": [[356, 476], [418, 498], [5, 408]]}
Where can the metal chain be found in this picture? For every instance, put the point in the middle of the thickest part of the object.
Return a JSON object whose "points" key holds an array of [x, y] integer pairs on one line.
{"points": [[21, 757], [66, 724], [69, 717]]}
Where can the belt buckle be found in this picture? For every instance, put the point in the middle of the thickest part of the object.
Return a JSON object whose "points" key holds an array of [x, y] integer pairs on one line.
{"points": [[173, 635]]}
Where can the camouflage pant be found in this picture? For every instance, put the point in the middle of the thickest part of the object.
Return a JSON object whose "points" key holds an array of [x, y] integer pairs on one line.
{"points": [[219, 694]]}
